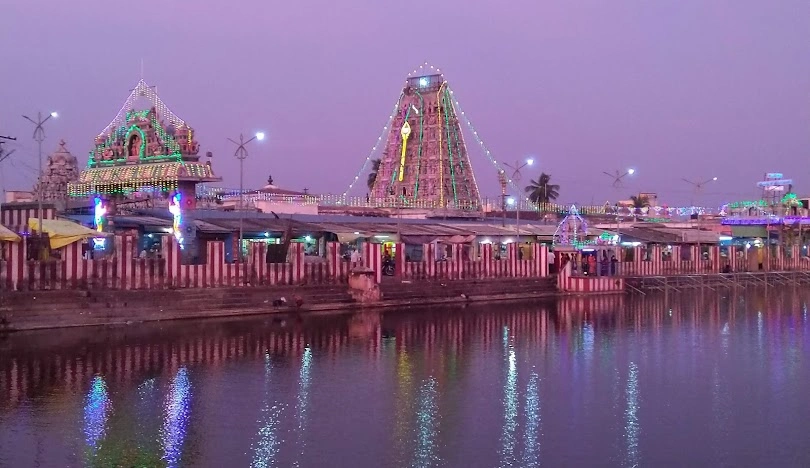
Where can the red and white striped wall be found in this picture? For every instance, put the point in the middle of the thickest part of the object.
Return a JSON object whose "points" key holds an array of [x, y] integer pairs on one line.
{"points": [[455, 267], [337, 267], [18, 217], [372, 258], [566, 282], [124, 270], [263, 273]]}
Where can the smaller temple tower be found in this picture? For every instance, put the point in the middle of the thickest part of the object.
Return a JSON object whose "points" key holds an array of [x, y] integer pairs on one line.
{"points": [[150, 157], [62, 169]]}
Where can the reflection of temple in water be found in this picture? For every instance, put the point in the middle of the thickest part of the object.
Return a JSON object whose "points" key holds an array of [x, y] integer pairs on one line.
{"points": [[132, 355]]}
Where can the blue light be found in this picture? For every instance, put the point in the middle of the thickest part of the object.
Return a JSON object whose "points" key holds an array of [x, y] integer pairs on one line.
{"points": [[177, 214], [96, 410], [423, 82], [177, 408]]}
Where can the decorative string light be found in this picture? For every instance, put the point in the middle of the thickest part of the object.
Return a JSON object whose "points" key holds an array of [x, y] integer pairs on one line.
{"points": [[425, 66], [126, 179], [374, 148], [487, 152], [143, 90]]}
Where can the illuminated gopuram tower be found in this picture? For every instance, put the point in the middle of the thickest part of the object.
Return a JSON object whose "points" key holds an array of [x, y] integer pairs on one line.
{"points": [[424, 162]]}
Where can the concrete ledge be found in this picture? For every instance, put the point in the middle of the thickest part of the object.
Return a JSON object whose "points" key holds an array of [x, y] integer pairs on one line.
{"points": [[55, 310]]}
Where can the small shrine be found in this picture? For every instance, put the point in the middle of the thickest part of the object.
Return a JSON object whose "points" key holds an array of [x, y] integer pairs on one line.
{"points": [[572, 233], [148, 157], [62, 169]]}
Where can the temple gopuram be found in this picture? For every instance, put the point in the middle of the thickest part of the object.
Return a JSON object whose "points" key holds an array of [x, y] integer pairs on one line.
{"points": [[425, 162], [147, 158]]}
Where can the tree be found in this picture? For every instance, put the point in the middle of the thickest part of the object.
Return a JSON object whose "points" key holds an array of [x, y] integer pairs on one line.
{"points": [[372, 176], [639, 201], [542, 190]]}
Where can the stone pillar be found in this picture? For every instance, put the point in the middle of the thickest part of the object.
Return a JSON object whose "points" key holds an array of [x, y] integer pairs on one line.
{"points": [[429, 257], [486, 259], [714, 258], [399, 260], [795, 257], [295, 256], [334, 261], [677, 263], [656, 259], [638, 259]]}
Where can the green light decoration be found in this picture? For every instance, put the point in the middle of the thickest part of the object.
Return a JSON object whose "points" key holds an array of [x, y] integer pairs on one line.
{"points": [[122, 134], [459, 144], [747, 204], [449, 148], [790, 199], [421, 142]]}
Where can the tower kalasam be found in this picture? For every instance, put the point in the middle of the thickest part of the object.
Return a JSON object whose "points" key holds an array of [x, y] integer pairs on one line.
{"points": [[424, 163]]}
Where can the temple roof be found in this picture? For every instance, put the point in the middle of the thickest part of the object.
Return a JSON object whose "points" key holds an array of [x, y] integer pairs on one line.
{"points": [[143, 90], [149, 149], [163, 175]]}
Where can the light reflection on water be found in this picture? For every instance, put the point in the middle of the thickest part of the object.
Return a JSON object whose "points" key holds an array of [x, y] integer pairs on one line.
{"points": [[427, 426], [632, 428], [96, 411], [302, 406], [510, 402], [176, 413], [267, 446], [531, 443], [692, 381]]}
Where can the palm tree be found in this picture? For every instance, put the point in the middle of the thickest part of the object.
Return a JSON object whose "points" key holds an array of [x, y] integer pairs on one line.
{"points": [[372, 176], [541, 190], [639, 202]]}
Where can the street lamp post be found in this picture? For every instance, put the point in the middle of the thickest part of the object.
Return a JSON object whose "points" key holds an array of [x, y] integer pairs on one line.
{"points": [[516, 178], [39, 137], [618, 176], [698, 185], [511, 202], [241, 154]]}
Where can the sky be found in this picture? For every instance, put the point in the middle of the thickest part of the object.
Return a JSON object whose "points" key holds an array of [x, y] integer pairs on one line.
{"points": [[675, 89]]}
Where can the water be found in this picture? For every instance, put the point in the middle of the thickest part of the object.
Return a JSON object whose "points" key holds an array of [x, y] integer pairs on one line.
{"points": [[701, 379]]}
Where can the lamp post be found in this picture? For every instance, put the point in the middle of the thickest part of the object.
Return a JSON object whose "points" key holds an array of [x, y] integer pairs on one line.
{"points": [[241, 154], [511, 202], [39, 137], [698, 185], [618, 176], [516, 178]]}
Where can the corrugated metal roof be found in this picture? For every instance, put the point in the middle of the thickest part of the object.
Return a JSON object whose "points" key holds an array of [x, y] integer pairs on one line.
{"points": [[660, 235]]}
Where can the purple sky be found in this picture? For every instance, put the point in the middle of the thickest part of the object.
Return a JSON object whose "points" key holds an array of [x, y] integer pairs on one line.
{"points": [[674, 88]]}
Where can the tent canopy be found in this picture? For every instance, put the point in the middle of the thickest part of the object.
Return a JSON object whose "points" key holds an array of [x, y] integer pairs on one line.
{"points": [[8, 235], [62, 232]]}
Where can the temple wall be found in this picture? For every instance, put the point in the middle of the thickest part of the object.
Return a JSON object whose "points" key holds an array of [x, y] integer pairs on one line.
{"points": [[123, 270]]}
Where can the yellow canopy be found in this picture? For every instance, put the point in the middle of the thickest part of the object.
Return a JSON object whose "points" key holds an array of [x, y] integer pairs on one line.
{"points": [[7, 234], [62, 232]]}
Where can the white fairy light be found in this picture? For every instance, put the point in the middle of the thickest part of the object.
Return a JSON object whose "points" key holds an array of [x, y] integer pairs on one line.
{"points": [[374, 148]]}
